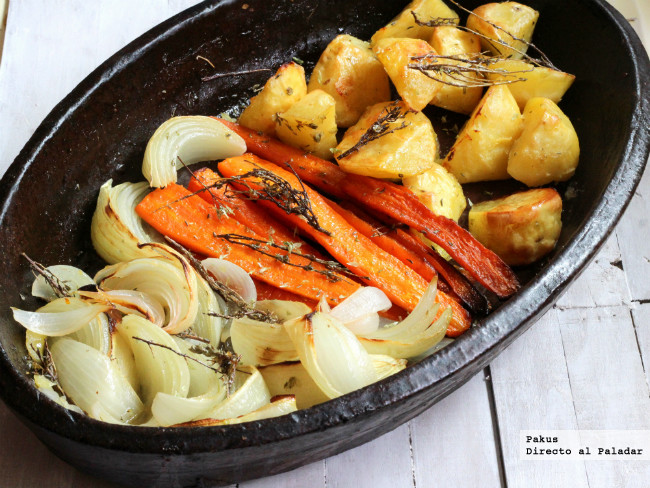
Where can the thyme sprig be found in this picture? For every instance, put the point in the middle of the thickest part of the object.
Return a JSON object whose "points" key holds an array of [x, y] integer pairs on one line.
{"points": [[239, 306], [272, 188], [60, 288], [332, 268], [461, 69], [383, 126], [234, 73], [543, 60], [224, 363]]}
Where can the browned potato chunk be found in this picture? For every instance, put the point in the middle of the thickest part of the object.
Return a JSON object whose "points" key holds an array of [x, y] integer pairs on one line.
{"points": [[281, 91], [533, 81], [350, 72], [547, 149], [404, 24], [310, 124], [451, 41], [407, 147], [415, 88], [503, 22], [481, 150], [520, 228], [439, 190]]}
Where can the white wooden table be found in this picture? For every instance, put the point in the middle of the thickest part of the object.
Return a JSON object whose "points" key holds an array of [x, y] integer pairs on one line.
{"points": [[584, 365]]}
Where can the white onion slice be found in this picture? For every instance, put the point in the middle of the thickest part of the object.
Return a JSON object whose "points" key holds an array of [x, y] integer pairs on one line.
{"points": [[175, 289], [386, 366], [129, 302], [73, 278], [96, 334], [250, 394], [87, 376], [283, 309], [358, 312], [331, 353], [46, 387], [68, 317], [122, 357], [207, 325], [233, 276], [414, 335], [116, 230], [279, 406], [261, 343], [191, 139], [293, 379], [159, 363]]}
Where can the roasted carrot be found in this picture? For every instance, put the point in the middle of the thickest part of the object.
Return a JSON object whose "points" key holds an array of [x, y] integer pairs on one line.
{"points": [[387, 243], [373, 265], [195, 224], [392, 200], [266, 291]]}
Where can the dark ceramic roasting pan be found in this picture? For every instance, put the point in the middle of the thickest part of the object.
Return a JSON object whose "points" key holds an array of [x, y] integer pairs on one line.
{"points": [[100, 131]]}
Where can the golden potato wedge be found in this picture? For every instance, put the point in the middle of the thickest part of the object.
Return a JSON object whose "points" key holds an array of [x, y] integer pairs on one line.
{"points": [[503, 22], [310, 124], [532, 81], [439, 190], [281, 91], [463, 98], [520, 228], [350, 72], [415, 88], [404, 24], [450, 40], [407, 147], [481, 150], [547, 149]]}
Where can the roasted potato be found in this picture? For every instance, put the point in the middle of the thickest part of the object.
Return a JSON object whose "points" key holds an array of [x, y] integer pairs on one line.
{"points": [[310, 124], [281, 91], [503, 22], [451, 41], [404, 24], [531, 81], [481, 150], [350, 72], [439, 190], [407, 146], [415, 88], [520, 228], [547, 149]]}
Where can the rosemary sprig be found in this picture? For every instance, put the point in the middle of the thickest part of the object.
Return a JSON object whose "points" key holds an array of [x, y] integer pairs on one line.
{"points": [[60, 288], [332, 268], [382, 126]]}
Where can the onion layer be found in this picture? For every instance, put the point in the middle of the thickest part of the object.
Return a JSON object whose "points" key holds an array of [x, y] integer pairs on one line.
{"points": [[191, 139], [331, 353], [261, 343], [233, 276], [88, 377], [69, 276], [116, 230]]}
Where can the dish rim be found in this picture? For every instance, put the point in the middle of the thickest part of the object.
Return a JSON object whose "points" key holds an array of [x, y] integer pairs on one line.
{"points": [[495, 333]]}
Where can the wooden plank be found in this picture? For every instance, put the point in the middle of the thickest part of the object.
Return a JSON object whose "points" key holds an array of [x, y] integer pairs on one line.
{"points": [[633, 232], [454, 434], [312, 475], [382, 463], [532, 391], [641, 318], [602, 284], [608, 385]]}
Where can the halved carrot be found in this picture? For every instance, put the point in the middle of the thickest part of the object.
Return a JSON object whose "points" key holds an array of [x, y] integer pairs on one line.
{"points": [[390, 199], [373, 265], [189, 220]]}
